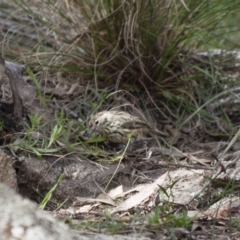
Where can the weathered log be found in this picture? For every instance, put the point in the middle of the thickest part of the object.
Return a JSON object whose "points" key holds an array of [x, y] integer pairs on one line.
{"points": [[14, 72]]}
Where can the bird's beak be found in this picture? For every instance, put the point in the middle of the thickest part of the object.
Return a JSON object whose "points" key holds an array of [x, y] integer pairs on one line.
{"points": [[92, 129]]}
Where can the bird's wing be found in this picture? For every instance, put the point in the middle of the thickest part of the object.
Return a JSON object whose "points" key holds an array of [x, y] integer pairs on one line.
{"points": [[144, 127], [135, 124]]}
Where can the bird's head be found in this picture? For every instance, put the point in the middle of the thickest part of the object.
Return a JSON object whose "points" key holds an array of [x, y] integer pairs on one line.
{"points": [[98, 122]]}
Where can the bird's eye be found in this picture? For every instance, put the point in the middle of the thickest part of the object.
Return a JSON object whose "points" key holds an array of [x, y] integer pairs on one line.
{"points": [[97, 122]]}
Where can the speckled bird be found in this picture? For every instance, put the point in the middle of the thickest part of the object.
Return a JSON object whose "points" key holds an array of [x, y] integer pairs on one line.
{"points": [[119, 126]]}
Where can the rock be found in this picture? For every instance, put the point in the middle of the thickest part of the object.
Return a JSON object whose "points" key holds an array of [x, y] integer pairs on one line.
{"points": [[21, 219], [7, 171]]}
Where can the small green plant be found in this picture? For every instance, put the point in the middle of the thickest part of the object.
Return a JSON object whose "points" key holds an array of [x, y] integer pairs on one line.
{"points": [[235, 223], [160, 216], [178, 220], [48, 196], [115, 227], [38, 141], [37, 86], [34, 123], [154, 216]]}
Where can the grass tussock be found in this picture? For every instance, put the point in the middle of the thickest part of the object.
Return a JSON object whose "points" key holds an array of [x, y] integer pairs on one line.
{"points": [[124, 43], [138, 46]]}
